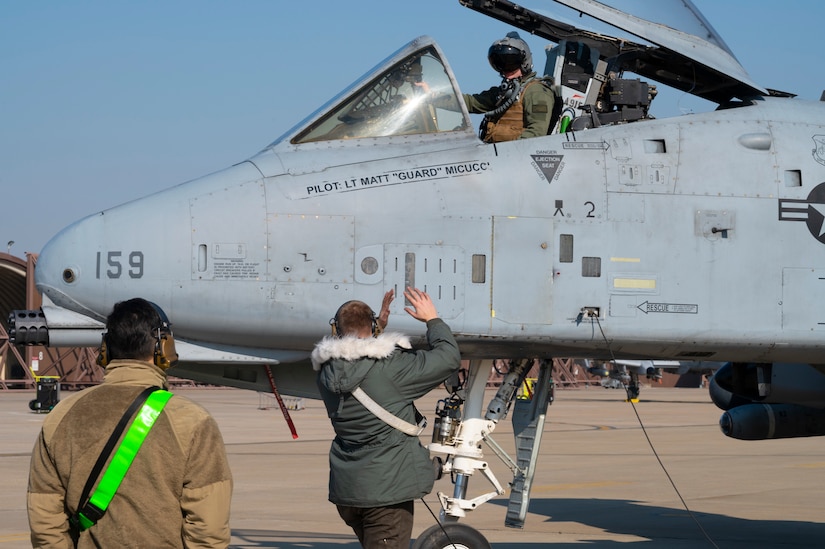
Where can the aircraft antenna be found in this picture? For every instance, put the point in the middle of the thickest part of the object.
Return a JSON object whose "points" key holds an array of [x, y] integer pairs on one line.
{"points": [[650, 443]]}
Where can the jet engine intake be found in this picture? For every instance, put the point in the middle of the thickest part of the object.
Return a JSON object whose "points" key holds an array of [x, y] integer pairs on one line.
{"points": [[739, 383]]}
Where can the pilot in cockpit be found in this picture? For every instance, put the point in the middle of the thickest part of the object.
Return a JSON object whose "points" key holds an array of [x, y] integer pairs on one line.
{"points": [[416, 96], [522, 105]]}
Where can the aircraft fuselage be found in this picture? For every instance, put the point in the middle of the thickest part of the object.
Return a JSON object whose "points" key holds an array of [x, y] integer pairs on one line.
{"points": [[694, 237]]}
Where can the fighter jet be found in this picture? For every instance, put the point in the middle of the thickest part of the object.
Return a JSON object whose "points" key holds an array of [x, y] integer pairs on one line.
{"points": [[625, 374], [616, 236]]}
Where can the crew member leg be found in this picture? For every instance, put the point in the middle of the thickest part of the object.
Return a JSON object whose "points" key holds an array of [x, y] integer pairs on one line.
{"points": [[380, 527]]}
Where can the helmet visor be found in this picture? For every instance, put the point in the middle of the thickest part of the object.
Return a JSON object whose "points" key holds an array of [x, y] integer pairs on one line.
{"points": [[505, 59]]}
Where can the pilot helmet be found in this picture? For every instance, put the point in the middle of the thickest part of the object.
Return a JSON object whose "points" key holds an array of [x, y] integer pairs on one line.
{"points": [[510, 53]]}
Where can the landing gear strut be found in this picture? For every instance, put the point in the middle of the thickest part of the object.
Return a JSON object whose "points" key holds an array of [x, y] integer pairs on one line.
{"points": [[460, 433]]}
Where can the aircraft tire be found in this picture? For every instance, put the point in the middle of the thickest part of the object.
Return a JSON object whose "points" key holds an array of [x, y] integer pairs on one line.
{"points": [[458, 536]]}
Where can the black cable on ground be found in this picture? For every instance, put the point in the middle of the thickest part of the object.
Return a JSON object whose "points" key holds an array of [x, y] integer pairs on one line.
{"points": [[653, 449]]}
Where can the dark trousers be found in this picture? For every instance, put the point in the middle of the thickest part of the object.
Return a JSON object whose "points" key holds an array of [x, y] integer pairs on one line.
{"points": [[380, 527]]}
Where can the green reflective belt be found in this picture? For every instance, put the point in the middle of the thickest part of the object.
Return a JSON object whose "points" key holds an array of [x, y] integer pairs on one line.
{"points": [[122, 459]]}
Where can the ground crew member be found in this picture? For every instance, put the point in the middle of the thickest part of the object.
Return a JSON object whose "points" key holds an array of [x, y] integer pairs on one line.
{"points": [[176, 492], [378, 467]]}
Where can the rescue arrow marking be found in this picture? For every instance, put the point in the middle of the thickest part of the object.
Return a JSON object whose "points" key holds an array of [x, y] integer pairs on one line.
{"points": [[678, 308]]}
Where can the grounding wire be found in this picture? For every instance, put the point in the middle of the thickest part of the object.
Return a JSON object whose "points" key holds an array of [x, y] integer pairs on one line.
{"points": [[653, 448], [443, 530]]}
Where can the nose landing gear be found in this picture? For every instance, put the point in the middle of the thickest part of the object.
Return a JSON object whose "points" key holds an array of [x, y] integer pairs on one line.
{"points": [[451, 535]]}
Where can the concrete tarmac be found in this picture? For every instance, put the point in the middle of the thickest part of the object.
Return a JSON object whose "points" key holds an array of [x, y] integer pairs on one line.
{"points": [[599, 482]]}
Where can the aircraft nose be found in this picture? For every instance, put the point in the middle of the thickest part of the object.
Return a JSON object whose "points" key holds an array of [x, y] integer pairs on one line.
{"points": [[66, 264]]}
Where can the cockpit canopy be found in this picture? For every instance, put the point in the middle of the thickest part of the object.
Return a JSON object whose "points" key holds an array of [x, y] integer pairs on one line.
{"points": [[416, 94]]}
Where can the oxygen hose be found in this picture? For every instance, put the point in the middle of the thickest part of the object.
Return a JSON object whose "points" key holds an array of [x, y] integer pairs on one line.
{"points": [[510, 90]]}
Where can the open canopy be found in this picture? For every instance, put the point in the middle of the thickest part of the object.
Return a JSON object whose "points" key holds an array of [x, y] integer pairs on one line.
{"points": [[699, 65]]}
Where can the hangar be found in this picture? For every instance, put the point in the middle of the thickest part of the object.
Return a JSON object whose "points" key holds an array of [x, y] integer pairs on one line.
{"points": [[22, 366]]}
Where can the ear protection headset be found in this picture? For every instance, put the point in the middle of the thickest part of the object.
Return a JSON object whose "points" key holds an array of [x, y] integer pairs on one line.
{"points": [[335, 321], [165, 355], [103, 352]]}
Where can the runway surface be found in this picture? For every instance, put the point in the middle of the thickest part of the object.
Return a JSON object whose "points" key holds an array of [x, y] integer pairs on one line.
{"points": [[598, 482]]}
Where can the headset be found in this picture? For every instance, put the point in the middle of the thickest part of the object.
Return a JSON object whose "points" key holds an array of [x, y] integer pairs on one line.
{"points": [[335, 321], [165, 355]]}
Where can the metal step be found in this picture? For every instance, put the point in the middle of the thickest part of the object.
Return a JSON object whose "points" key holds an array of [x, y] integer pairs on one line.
{"points": [[528, 425]]}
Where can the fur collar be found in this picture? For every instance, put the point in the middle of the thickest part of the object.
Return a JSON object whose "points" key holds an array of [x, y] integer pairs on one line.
{"points": [[352, 348]]}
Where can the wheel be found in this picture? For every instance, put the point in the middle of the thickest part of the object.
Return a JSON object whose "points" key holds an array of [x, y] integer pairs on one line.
{"points": [[452, 535]]}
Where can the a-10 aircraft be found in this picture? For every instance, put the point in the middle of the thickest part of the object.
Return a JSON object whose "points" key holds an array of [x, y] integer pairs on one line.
{"points": [[625, 373], [617, 236]]}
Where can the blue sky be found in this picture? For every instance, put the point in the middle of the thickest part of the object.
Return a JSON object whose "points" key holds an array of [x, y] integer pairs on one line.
{"points": [[102, 102]]}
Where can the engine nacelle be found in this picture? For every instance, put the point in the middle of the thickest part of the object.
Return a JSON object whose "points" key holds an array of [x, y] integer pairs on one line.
{"points": [[739, 383], [766, 401], [765, 421]]}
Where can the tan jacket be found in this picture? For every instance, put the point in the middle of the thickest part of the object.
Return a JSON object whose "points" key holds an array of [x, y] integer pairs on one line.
{"points": [[177, 492]]}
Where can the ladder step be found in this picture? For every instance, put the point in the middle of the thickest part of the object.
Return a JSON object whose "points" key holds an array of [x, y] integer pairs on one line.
{"points": [[528, 425], [528, 439]]}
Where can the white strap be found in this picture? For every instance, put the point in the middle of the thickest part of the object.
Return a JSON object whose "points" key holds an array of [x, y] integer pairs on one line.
{"points": [[384, 415]]}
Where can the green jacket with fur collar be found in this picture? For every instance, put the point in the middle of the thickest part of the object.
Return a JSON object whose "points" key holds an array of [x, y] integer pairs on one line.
{"points": [[371, 463]]}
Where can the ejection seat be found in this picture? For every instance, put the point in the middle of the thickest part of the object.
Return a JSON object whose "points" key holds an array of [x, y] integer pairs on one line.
{"points": [[591, 95]]}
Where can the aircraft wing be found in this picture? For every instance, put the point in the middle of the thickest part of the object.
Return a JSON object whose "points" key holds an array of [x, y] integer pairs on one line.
{"points": [[678, 59], [664, 364], [291, 371]]}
